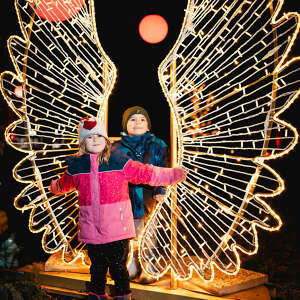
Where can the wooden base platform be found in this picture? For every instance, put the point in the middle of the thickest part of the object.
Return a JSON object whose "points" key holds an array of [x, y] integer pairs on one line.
{"points": [[247, 285]]}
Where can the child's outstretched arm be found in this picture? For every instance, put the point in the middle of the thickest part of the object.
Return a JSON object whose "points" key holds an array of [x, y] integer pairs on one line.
{"points": [[62, 185], [139, 173]]}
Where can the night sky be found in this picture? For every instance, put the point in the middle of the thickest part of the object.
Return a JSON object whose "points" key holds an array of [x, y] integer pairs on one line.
{"points": [[137, 84]]}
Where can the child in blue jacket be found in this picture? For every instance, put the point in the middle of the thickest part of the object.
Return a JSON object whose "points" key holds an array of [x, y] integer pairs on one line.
{"points": [[141, 145]]}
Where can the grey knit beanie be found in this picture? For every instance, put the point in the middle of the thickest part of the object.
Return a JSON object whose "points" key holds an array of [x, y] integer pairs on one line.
{"points": [[88, 126]]}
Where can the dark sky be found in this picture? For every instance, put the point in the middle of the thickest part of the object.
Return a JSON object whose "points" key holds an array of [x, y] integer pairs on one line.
{"points": [[117, 23], [137, 61]]}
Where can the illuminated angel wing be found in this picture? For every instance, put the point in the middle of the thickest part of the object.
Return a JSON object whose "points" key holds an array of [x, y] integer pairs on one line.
{"points": [[227, 80], [62, 75]]}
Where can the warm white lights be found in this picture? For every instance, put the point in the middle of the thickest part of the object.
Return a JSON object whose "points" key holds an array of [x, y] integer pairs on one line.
{"points": [[62, 75], [229, 80]]}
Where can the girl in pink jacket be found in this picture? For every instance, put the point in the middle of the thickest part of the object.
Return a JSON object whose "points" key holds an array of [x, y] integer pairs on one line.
{"points": [[105, 215]]}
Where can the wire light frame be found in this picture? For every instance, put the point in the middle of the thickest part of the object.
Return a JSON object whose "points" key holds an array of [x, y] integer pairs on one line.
{"points": [[227, 80], [62, 75]]}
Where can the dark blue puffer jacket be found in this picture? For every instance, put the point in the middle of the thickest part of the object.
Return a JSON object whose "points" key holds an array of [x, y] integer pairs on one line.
{"points": [[146, 148]]}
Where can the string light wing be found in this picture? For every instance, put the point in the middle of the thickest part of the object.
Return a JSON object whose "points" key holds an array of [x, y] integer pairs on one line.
{"points": [[227, 79], [62, 75]]}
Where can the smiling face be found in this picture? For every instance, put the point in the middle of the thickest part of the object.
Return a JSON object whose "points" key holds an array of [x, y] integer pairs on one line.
{"points": [[137, 124], [95, 143]]}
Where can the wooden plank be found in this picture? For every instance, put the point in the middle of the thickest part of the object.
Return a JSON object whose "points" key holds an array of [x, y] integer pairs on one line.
{"points": [[64, 292], [75, 284], [258, 293]]}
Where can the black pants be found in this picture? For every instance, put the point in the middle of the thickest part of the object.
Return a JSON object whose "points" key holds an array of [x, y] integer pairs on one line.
{"points": [[113, 256]]}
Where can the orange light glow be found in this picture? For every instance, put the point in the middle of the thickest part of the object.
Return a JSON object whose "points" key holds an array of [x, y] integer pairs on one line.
{"points": [[19, 91], [153, 29]]}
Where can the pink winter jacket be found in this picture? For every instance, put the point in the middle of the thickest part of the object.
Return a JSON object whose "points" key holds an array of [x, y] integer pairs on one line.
{"points": [[105, 213]]}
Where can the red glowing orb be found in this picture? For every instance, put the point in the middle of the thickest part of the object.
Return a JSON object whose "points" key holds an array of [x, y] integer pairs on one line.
{"points": [[19, 91], [58, 10], [153, 29]]}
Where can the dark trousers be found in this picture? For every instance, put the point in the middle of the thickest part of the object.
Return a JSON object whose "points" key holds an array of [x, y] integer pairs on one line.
{"points": [[113, 256]]}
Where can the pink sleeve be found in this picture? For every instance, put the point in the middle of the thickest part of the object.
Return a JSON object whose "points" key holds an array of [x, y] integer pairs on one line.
{"points": [[166, 176], [62, 185], [137, 173]]}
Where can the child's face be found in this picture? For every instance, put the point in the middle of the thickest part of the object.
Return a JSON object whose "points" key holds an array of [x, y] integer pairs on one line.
{"points": [[137, 124], [95, 143]]}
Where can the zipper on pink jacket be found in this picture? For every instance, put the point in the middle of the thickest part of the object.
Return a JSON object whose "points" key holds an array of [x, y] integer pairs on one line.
{"points": [[95, 190]]}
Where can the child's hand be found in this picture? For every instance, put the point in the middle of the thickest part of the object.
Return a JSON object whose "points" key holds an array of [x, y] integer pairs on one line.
{"points": [[180, 174]]}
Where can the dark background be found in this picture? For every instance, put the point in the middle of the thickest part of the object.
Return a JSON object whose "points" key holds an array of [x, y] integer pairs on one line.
{"points": [[137, 84]]}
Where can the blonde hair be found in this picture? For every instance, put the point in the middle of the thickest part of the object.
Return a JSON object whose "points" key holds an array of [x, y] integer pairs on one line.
{"points": [[103, 157]]}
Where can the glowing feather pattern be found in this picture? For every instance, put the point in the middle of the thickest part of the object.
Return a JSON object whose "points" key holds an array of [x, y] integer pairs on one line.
{"points": [[227, 79], [65, 75]]}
